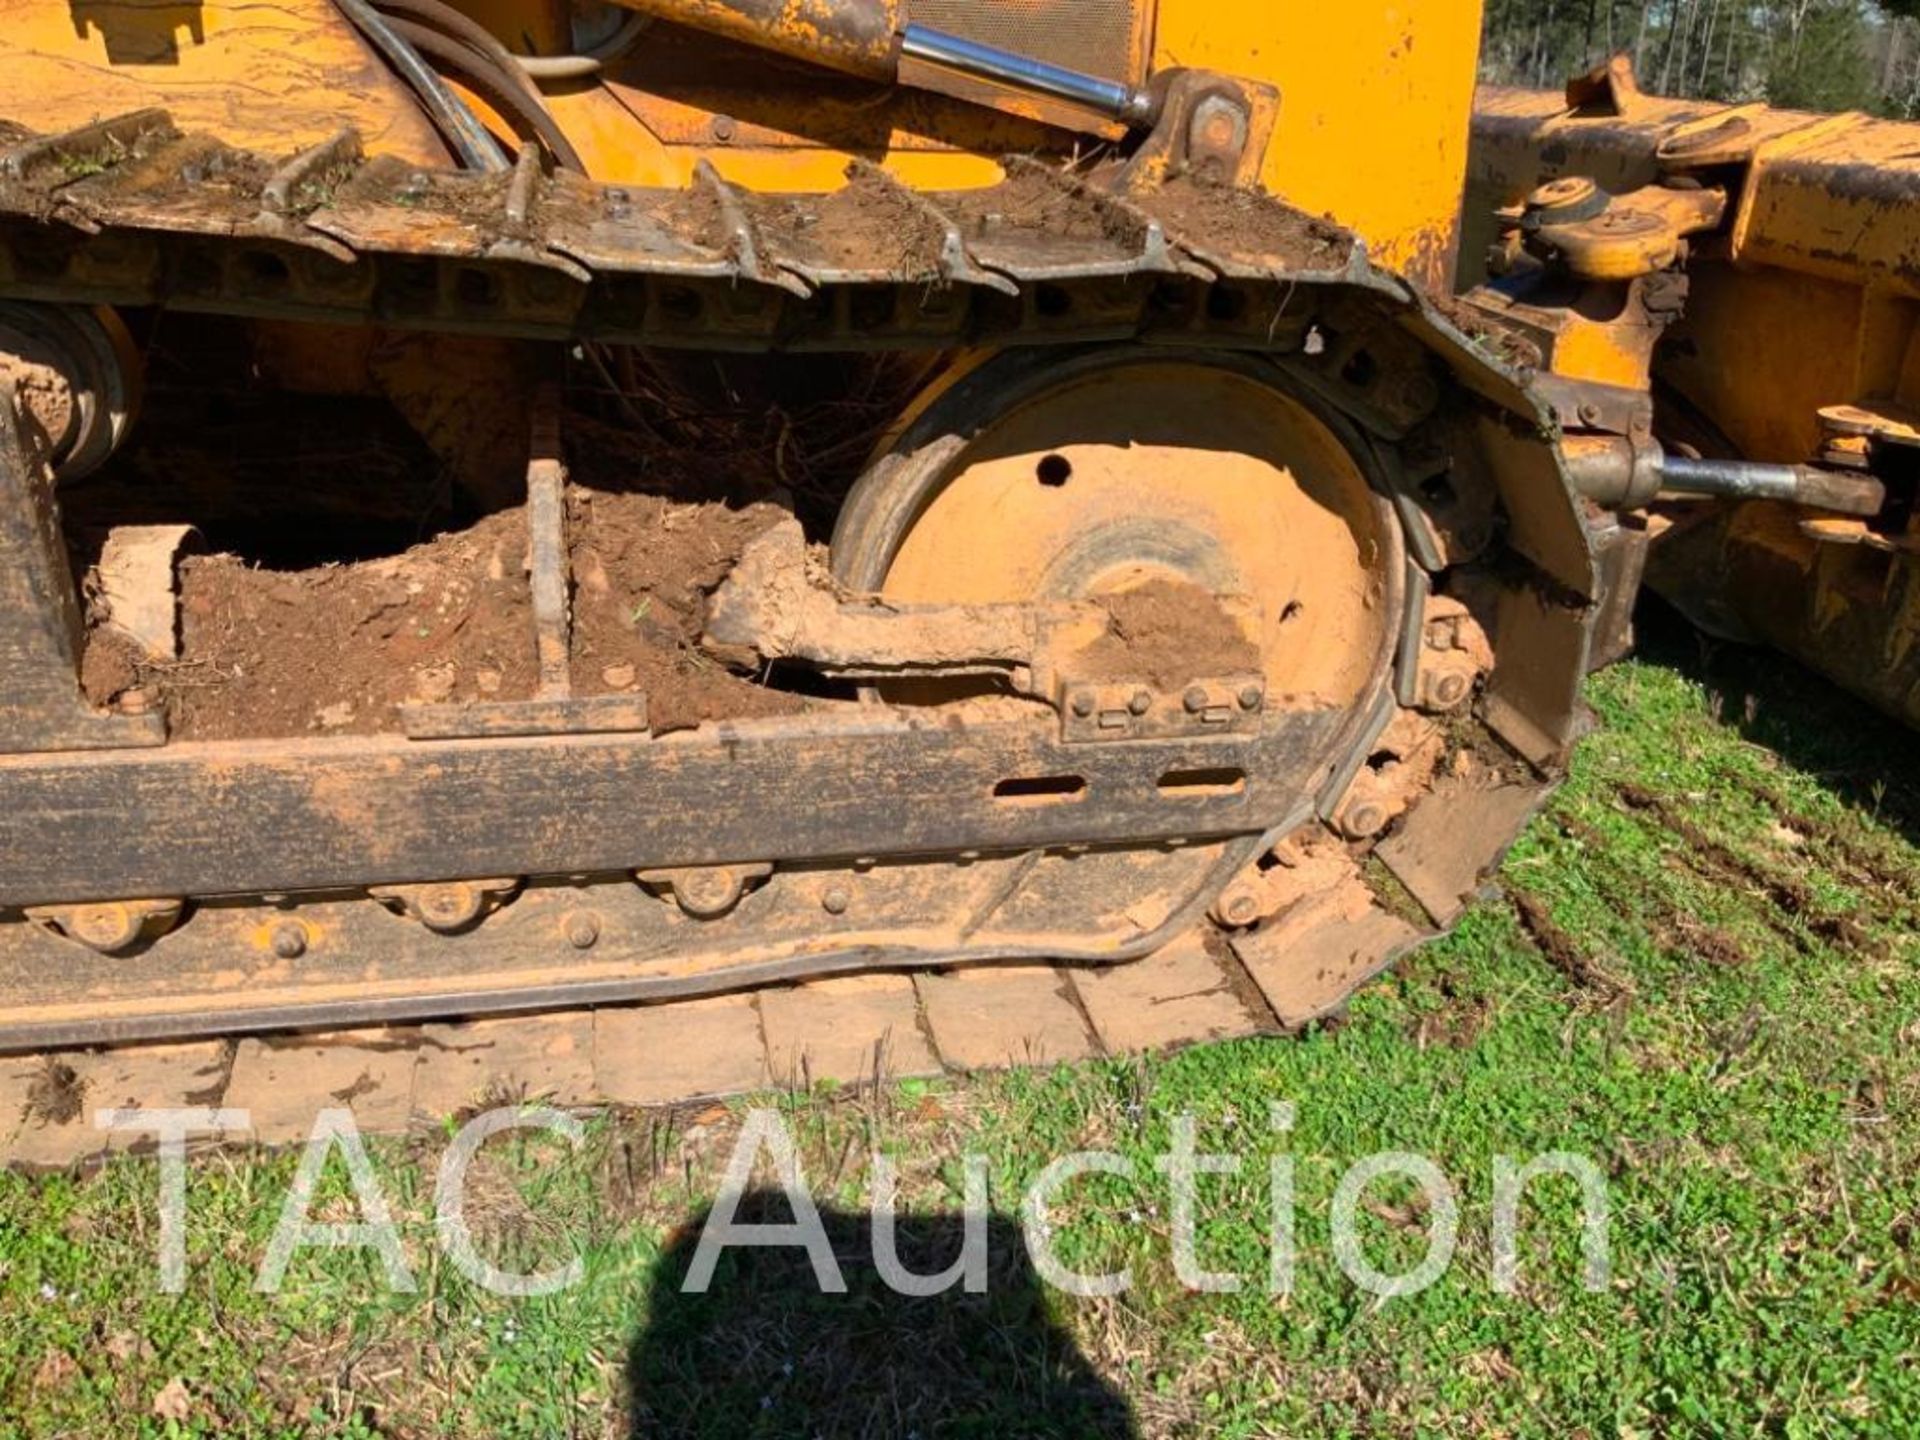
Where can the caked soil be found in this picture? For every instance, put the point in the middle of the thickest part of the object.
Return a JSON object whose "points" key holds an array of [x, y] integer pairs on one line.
{"points": [[868, 225], [1506, 345], [1168, 634], [336, 649], [1250, 224]]}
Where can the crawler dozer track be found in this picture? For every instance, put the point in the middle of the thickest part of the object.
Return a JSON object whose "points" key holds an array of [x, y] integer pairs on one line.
{"points": [[882, 887]]}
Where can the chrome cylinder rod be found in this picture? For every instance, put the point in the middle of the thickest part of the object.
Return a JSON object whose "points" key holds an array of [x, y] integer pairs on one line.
{"points": [[1809, 485], [1021, 72]]}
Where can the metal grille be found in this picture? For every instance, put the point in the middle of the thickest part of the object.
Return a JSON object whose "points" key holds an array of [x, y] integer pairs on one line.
{"points": [[1101, 37]]}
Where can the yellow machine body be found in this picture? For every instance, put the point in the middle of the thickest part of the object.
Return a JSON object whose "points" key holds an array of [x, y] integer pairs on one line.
{"points": [[1798, 340], [1370, 127], [1060, 324]]}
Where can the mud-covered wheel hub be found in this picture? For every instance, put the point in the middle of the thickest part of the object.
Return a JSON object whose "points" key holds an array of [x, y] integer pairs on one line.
{"points": [[1035, 477]]}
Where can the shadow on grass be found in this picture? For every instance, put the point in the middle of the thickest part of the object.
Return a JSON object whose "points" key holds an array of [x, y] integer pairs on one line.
{"points": [[1866, 758], [764, 1353]]}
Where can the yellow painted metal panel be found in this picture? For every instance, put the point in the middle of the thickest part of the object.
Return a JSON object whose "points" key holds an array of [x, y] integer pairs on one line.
{"points": [[1374, 108], [270, 75]]}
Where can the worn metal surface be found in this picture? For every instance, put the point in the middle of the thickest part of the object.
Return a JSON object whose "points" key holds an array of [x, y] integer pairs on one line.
{"points": [[490, 947], [857, 36], [715, 266], [40, 703], [263, 817]]}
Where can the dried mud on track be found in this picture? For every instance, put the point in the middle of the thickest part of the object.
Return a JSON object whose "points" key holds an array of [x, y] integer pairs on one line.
{"points": [[1250, 223], [336, 649], [1168, 633]]}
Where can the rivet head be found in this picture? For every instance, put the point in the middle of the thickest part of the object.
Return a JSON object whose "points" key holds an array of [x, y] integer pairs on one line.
{"points": [[1363, 820], [105, 927], [1251, 697], [444, 902], [1195, 699], [1141, 702], [1083, 704], [835, 900], [583, 930], [290, 940]]}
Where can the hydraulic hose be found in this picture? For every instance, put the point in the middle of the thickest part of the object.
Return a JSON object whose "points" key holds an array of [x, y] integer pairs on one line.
{"points": [[496, 87], [439, 15], [457, 124], [455, 25], [590, 60]]}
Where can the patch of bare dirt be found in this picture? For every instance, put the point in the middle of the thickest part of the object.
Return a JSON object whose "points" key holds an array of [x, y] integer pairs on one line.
{"points": [[1457, 1026], [1167, 634], [1028, 200], [643, 567], [1562, 951], [1789, 895]]}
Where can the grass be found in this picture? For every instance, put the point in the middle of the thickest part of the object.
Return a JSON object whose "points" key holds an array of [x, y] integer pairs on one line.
{"points": [[1701, 973]]}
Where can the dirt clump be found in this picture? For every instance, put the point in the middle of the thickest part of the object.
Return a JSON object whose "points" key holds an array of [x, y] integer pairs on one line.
{"points": [[110, 666], [56, 1096], [1030, 200], [643, 567], [1250, 225], [1505, 345], [336, 649], [1167, 633], [868, 225], [1562, 951]]}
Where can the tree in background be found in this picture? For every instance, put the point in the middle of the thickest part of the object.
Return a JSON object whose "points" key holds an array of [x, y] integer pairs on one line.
{"points": [[1808, 54]]}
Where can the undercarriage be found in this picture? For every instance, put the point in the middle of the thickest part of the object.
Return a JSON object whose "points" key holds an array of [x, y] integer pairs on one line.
{"points": [[1214, 596]]}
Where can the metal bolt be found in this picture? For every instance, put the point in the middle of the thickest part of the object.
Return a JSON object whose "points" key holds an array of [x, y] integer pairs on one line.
{"points": [[1141, 702], [445, 903], [135, 702], [1251, 697], [1363, 820], [290, 940], [583, 930], [835, 900], [725, 127], [1589, 414], [1418, 393], [105, 927], [1219, 129], [1195, 699], [1449, 690], [1083, 704]]}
